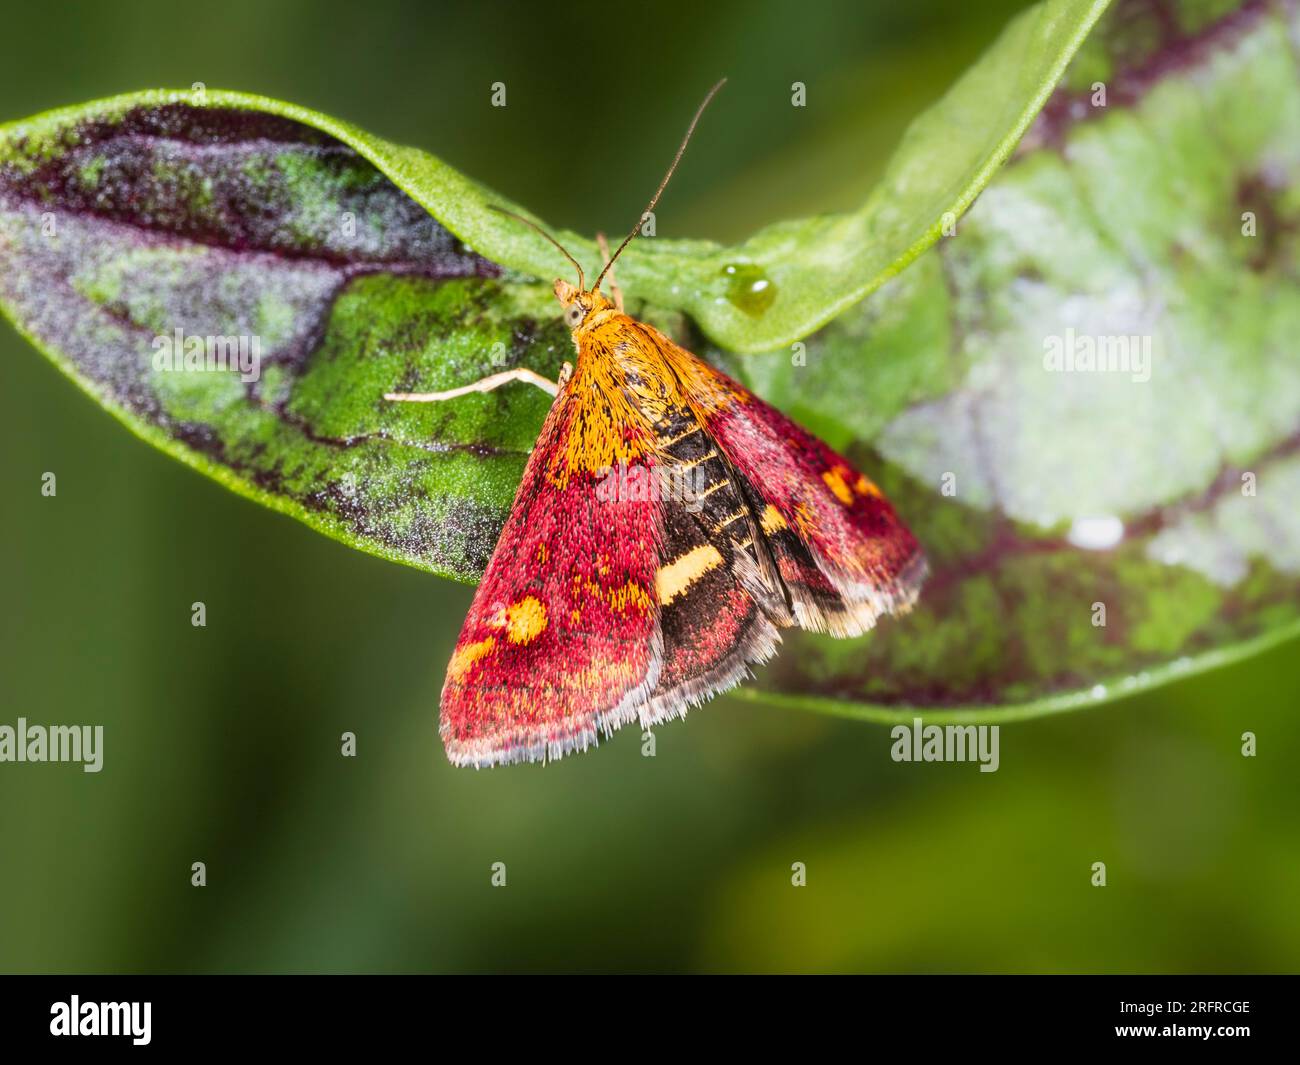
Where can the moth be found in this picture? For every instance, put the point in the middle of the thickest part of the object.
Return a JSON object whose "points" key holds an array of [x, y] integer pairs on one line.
{"points": [[606, 603]]}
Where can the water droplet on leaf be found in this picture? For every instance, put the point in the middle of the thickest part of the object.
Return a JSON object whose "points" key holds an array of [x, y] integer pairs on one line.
{"points": [[749, 288]]}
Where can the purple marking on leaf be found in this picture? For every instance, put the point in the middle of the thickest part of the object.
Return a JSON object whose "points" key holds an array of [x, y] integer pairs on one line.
{"points": [[213, 222], [125, 239], [244, 183], [1134, 75], [78, 293]]}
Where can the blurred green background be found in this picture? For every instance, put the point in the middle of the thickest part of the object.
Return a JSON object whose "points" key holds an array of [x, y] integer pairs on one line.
{"points": [[222, 743]]}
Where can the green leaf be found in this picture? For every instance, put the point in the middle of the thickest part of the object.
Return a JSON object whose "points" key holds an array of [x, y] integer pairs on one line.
{"points": [[792, 277], [364, 267], [124, 223], [1171, 501]]}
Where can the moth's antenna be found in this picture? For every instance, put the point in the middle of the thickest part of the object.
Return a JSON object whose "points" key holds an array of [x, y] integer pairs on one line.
{"points": [[663, 184], [582, 283]]}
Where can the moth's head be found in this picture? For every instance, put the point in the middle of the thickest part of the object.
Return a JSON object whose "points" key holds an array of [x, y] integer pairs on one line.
{"points": [[579, 305]]}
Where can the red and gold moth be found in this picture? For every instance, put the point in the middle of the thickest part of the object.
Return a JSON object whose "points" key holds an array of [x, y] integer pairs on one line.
{"points": [[603, 606]]}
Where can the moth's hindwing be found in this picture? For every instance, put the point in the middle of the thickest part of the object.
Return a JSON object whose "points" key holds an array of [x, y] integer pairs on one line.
{"points": [[842, 555], [718, 590]]}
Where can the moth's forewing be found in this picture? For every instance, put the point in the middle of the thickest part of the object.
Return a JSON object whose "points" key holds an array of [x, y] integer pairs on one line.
{"points": [[560, 644]]}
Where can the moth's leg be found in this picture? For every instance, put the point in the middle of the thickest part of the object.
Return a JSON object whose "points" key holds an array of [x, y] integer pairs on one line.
{"points": [[614, 290], [486, 384], [566, 371]]}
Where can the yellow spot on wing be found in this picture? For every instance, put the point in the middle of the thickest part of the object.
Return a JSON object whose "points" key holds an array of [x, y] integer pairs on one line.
{"points": [[713, 454], [525, 620], [772, 520], [630, 595], [464, 659], [865, 487], [835, 481], [680, 574], [680, 437], [804, 519]]}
